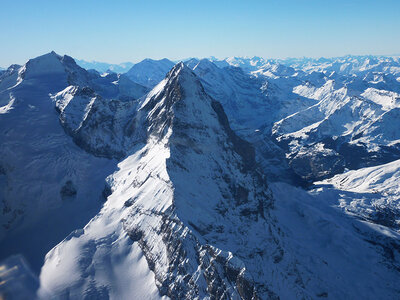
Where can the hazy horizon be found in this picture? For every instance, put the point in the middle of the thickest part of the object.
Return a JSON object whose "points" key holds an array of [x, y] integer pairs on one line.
{"points": [[129, 31], [187, 58]]}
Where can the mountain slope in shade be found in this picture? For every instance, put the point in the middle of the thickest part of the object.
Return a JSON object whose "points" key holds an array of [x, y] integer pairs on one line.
{"points": [[47, 182], [346, 248], [149, 72]]}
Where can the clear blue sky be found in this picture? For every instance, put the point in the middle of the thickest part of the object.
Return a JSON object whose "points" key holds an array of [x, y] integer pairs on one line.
{"points": [[121, 30]]}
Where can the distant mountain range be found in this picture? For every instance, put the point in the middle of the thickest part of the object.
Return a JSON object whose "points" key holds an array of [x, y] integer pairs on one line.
{"points": [[103, 67]]}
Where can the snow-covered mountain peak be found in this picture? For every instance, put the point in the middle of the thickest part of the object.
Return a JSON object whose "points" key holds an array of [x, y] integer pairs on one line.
{"points": [[180, 106], [179, 98], [149, 72], [154, 195], [191, 63], [49, 63], [204, 67], [52, 68], [246, 63], [205, 63], [179, 77], [178, 69]]}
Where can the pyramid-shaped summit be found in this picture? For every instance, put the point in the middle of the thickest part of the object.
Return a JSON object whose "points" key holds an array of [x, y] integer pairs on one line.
{"points": [[155, 194]]}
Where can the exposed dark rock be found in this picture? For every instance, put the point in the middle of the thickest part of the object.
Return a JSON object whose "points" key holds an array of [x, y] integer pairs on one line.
{"points": [[241, 195], [106, 192], [68, 191], [242, 147], [386, 215]]}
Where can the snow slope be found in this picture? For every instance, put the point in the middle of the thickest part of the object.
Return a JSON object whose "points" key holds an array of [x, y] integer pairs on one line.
{"points": [[372, 193], [353, 258]]}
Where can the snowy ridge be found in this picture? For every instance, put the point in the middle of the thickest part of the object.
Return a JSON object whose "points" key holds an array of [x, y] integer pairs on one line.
{"points": [[375, 192], [380, 178], [100, 126], [346, 65], [349, 115]]}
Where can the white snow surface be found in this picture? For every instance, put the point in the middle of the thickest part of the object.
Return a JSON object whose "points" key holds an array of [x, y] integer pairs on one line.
{"points": [[101, 258], [369, 189]]}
